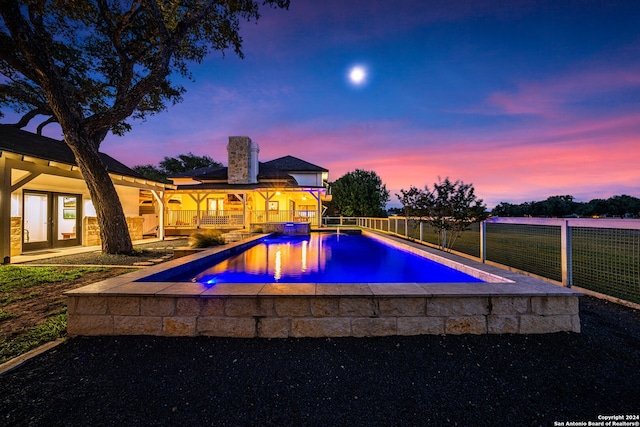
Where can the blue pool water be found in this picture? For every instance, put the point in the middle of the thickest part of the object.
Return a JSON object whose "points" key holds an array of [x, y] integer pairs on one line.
{"points": [[327, 258]]}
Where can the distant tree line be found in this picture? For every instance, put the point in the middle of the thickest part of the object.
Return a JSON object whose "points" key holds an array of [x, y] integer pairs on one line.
{"points": [[174, 165], [566, 206]]}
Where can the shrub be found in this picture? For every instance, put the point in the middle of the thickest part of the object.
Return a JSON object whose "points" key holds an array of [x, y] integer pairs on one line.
{"points": [[205, 239]]}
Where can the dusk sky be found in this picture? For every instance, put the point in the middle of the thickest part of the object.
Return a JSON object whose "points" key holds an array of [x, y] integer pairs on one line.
{"points": [[523, 99]]}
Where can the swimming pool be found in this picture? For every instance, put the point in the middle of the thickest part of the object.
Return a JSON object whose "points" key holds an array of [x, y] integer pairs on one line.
{"points": [[158, 301], [326, 258]]}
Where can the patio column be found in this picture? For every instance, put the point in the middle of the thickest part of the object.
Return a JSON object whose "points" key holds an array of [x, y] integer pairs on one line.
{"points": [[5, 210], [159, 196], [243, 196], [198, 199], [319, 215], [316, 195], [244, 211]]}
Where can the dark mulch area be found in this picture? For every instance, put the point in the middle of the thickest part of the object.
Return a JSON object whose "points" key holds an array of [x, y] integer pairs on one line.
{"points": [[424, 380]]}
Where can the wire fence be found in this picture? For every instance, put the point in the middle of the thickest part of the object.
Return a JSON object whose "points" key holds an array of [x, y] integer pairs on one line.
{"points": [[600, 255]]}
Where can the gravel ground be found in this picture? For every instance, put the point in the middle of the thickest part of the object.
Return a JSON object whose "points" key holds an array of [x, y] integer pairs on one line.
{"points": [[144, 252], [490, 380]]}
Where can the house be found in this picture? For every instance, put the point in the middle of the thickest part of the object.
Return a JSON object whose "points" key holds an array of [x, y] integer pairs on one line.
{"points": [[44, 201], [247, 192]]}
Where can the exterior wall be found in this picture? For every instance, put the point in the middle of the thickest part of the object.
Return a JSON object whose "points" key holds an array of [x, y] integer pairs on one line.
{"points": [[130, 199], [308, 179], [91, 230]]}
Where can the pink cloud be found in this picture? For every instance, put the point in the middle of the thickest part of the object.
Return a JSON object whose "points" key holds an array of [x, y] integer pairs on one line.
{"points": [[516, 165], [549, 98]]}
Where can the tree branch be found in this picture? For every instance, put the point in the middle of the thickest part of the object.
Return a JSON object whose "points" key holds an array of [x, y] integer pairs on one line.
{"points": [[46, 122], [25, 119]]}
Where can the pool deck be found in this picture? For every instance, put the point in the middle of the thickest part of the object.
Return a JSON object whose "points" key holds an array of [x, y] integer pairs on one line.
{"points": [[507, 303]]}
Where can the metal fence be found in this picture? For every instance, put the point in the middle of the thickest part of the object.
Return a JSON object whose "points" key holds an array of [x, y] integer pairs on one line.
{"points": [[600, 255]]}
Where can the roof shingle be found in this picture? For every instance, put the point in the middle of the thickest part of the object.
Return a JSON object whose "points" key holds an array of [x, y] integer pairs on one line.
{"points": [[26, 143]]}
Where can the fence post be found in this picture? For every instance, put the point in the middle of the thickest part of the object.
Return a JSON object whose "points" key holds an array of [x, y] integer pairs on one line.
{"points": [[421, 231], [406, 226], [565, 254], [483, 241], [396, 221]]}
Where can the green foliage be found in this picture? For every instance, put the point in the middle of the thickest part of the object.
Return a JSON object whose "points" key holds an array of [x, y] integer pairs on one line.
{"points": [[53, 328], [151, 172], [186, 162], [449, 208], [205, 239], [360, 193], [106, 61], [171, 166]]}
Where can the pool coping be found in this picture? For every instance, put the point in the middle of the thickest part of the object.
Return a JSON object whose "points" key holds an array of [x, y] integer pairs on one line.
{"points": [[510, 303]]}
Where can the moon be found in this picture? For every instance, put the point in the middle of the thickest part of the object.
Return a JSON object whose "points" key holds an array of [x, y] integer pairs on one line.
{"points": [[357, 75]]}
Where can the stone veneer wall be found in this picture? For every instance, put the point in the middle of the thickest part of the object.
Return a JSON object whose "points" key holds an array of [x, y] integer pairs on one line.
{"points": [[91, 230], [320, 316], [303, 228], [239, 152], [16, 235]]}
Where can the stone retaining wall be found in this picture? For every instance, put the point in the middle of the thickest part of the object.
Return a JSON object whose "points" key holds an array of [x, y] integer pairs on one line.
{"points": [[16, 235], [320, 316], [302, 228], [91, 230]]}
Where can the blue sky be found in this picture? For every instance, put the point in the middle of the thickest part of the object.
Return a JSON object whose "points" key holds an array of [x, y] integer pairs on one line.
{"points": [[524, 99]]}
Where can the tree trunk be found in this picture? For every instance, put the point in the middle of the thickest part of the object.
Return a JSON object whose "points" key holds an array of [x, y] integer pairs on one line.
{"points": [[113, 225]]}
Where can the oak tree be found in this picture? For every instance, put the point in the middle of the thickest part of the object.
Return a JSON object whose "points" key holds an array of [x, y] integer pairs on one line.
{"points": [[175, 165], [360, 193], [92, 65]]}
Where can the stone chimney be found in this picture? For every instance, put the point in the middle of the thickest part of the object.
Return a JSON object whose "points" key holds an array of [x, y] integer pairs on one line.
{"points": [[243, 160]]}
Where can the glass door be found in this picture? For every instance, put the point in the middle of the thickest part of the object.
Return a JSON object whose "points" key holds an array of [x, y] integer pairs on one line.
{"points": [[51, 220], [36, 233], [67, 215]]}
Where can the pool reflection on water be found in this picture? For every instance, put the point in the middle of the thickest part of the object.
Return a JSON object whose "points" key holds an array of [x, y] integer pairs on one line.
{"points": [[328, 258]]}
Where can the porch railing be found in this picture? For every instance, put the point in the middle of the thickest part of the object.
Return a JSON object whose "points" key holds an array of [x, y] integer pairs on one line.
{"points": [[229, 219], [194, 218], [284, 216]]}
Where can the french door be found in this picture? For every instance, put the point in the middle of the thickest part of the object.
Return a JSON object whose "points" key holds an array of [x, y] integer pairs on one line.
{"points": [[50, 220]]}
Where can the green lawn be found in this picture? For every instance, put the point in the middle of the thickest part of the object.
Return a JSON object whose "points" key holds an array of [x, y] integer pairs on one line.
{"points": [[32, 308]]}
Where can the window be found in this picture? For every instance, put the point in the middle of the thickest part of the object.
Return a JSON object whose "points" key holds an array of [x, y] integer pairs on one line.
{"points": [[215, 205], [274, 206], [308, 211]]}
